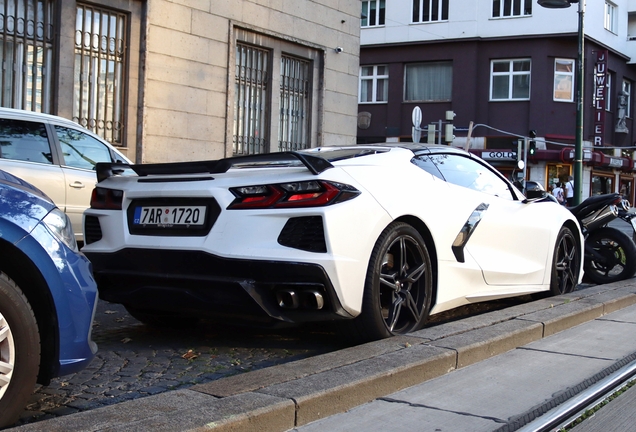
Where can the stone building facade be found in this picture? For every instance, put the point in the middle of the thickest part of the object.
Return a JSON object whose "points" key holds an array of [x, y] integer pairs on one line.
{"points": [[177, 80]]}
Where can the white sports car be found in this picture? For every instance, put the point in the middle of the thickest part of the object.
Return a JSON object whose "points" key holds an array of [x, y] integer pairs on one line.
{"points": [[381, 236]]}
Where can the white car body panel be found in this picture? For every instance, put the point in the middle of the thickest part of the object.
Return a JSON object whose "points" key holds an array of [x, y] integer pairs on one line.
{"points": [[510, 252], [70, 188]]}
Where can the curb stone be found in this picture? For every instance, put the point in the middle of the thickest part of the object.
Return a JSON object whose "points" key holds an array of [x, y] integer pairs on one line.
{"points": [[288, 395]]}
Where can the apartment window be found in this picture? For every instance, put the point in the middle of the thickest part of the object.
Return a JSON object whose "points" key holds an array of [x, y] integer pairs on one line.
{"points": [[610, 17], [251, 100], [564, 80], [428, 82], [372, 13], [26, 54], [627, 95], [294, 104], [511, 8], [100, 69], [374, 84], [430, 10], [510, 79]]}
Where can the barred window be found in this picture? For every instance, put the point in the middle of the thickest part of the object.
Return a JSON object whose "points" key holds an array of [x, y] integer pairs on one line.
{"points": [[100, 66], [27, 53], [251, 100], [275, 99], [294, 104]]}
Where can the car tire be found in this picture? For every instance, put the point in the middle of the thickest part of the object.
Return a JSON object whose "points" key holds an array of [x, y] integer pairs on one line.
{"points": [[160, 319], [566, 263], [398, 286], [19, 351], [619, 252]]}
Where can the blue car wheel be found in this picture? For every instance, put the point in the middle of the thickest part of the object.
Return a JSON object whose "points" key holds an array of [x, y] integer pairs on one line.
{"points": [[19, 351]]}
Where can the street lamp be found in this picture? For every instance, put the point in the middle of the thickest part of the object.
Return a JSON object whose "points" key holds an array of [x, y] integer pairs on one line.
{"points": [[578, 145]]}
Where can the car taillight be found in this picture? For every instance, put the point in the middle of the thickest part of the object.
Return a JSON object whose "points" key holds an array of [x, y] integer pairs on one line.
{"points": [[106, 199], [314, 193]]}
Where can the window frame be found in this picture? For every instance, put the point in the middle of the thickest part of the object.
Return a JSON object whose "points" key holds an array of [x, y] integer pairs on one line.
{"points": [[28, 54], [431, 63], [99, 96], [511, 73], [569, 76], [522, 6], [375, 78], [380, 13], [610, 17], [291, 98], [441, 9], [627, 87]]}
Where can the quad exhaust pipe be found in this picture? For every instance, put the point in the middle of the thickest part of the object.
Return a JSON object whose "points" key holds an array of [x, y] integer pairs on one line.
{"points": [[305, 299]]}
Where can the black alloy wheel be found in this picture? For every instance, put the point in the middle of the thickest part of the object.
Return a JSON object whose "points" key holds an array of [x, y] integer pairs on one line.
{"points": [[566, 263], [399, 284], [610, 256]]}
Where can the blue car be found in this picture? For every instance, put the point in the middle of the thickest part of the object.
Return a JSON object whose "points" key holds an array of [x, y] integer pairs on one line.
{"points": [[47, 296]]}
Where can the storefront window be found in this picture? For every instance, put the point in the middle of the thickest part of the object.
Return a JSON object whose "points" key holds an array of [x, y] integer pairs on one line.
{"points": [[626, 189], [602, 183], [557, 174]]}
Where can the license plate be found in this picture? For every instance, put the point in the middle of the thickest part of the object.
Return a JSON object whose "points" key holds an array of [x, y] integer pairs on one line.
{"points": [[170, 216], [633, 221]]}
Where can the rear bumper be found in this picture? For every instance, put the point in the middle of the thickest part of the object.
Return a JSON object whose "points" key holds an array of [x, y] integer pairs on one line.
{"points": [[204, 285]]}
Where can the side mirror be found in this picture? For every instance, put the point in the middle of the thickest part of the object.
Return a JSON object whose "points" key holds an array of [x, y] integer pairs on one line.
{"points": [[534, 190]]}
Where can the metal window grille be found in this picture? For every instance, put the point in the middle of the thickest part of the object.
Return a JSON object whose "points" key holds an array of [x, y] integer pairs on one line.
{"points": [[294, 104], [26, 52], [251, 100], [100, 65]]}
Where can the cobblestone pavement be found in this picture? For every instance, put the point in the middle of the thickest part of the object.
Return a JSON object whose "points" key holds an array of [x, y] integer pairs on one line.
{"points": [[135, 360]]}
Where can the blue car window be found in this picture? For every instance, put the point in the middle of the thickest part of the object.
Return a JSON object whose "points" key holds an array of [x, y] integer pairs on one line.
{"points": [[24, 141]]}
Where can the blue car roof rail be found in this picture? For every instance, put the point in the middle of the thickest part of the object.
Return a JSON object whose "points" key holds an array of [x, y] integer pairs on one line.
{"points": [[315, 164]]}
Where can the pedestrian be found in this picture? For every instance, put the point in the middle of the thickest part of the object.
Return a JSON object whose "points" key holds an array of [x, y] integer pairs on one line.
{"points": [[569, 191], [557, 192]]}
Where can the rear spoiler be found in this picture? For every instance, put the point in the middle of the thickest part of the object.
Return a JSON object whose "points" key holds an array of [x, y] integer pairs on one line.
{"points": [[315, 164]]}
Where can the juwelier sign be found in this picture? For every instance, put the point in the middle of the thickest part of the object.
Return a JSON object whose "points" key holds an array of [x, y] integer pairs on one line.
{"points": [[600, 96]]}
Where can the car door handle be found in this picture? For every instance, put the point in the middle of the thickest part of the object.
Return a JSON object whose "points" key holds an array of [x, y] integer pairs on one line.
{"points": [[77, 185]]}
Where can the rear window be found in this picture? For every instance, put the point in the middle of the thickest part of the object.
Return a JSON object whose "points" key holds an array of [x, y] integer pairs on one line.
{"points": [[340, 154], [24, 141]]}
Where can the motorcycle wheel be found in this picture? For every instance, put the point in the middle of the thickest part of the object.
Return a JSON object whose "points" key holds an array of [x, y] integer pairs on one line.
{"points": [[610, 256]]}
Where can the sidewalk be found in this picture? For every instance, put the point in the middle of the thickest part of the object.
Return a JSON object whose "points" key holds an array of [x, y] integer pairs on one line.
{"points": [[488, 372], [504, 392]]}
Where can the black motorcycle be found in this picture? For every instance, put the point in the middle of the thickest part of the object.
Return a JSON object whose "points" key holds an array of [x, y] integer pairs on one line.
{"points": [[610, 254]]}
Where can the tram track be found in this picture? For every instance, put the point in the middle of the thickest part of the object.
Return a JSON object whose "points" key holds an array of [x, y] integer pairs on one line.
{"points": [[566, 413]]}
